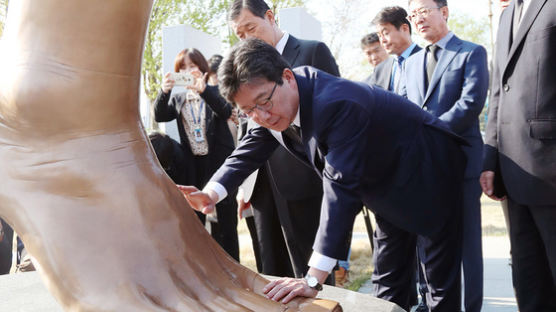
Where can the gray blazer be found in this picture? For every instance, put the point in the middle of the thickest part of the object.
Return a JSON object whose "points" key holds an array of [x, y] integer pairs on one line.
{"points": [[382, 73], [521, 129]]}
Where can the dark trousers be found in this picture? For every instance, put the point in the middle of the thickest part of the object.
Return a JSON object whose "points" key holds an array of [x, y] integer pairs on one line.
{"points": [[533, 243], [439, 253], [300, 221], [266, 232], [394, 257], [472, 254], [6, 246], [440, 261], [284, 230], [224, 231]]}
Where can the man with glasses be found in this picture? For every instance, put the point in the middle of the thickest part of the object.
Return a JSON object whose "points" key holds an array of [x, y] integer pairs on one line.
{"points": [[286, 196], [374, 51], [369, 146], [449, 79]]}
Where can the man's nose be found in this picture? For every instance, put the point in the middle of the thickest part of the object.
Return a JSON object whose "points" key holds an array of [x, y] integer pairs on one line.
{"points": [[260, 115]]}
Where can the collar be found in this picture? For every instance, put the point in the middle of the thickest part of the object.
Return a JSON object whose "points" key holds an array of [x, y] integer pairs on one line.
{"points": [[282, 43], [405, 54], [296, 120], [442, 43]]}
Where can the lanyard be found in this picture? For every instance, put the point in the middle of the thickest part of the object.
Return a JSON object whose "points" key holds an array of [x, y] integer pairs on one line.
{"points": [[196, 120]]}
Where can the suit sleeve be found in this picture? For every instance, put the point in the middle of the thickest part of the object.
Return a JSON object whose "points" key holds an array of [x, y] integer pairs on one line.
{"points": [[322, 59], [344, 167], [254, 149], [219, 106], [164, 107], [473, 94], [490, 153]]}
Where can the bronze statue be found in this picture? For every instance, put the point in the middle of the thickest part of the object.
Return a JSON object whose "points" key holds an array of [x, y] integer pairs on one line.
{"points": [[80, 183]]}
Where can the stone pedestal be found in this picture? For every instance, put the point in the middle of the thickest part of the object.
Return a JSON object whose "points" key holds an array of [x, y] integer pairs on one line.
{"points": [[25, 292]]}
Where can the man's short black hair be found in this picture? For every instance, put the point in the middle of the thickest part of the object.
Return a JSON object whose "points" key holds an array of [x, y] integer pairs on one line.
{"points": [[369, 39], [213, 62], [249, 60], [256, 7], [394, 15]]}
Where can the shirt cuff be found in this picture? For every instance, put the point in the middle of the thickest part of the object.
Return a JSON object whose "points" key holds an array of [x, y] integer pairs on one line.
{"points": [[322, 262], [217, 188]]}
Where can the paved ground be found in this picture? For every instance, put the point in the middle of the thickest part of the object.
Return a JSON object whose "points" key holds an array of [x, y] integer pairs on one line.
{"points": [[498, 293]]}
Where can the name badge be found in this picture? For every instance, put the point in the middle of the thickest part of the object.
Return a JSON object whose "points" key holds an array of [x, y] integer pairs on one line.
{"points": [[199, 135]]}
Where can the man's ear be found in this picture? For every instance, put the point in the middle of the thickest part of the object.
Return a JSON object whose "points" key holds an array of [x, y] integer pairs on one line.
{"points": [[405, 28], [269, 15], [288, 75], [445, 12]]}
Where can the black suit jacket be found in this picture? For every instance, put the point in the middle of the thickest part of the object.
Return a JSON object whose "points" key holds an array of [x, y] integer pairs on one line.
{"points": [[293, 179], [219, 137], [369, 146], [521, 129]]}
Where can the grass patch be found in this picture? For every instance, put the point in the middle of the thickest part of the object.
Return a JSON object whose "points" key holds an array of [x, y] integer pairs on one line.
{"points": [[358, 282]]}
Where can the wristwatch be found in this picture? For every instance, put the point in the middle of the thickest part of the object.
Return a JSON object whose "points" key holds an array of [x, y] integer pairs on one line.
{"points": [[313, 282]]}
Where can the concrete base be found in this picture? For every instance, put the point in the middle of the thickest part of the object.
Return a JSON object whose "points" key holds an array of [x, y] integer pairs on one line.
{"points": [[25, 292]]}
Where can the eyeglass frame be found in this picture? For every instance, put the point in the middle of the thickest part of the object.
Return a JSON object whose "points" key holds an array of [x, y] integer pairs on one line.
{"points": [[261, 106], [427, 11]]}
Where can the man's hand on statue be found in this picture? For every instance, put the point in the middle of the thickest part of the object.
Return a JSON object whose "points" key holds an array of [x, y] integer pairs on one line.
{"points": [[487, 184], [198, 200], [286, 289]]}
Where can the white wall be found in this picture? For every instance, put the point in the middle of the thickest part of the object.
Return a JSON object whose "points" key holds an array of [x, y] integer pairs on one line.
{"points": [[300, 24]]}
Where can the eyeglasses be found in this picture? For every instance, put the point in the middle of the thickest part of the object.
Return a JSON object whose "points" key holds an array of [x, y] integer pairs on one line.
{"points": [[265, 105], [420, 12]]}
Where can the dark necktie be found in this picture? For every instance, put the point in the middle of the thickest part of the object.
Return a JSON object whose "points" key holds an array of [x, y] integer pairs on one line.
{"points": [[431, 61], [398, 74], [517, 17], [294, 134]]}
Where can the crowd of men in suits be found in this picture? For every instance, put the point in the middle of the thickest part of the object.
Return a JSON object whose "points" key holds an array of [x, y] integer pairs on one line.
{"points": [[406, 144]]}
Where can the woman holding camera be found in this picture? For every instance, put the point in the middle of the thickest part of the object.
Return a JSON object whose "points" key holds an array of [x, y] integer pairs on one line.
{"points": [[201, 115]]}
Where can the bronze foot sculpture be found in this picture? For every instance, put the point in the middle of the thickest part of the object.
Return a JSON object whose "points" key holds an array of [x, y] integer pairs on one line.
{"points": [[108, 229]]}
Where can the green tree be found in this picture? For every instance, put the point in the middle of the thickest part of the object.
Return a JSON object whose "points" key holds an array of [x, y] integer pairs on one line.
{"points": [[476, 30], [3, 14], [208, 16], [471, 28]]}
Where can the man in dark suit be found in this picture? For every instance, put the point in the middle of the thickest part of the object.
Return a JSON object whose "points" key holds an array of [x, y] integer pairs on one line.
{"points": [[287, 196], [374, 51], [520, 150], [369, 146], [394, 32], [449, 79]]}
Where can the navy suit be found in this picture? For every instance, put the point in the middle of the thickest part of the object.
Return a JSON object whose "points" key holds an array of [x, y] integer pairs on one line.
{"points": [[456, 95], [393, 247], [373, 147], [287, 195]]}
